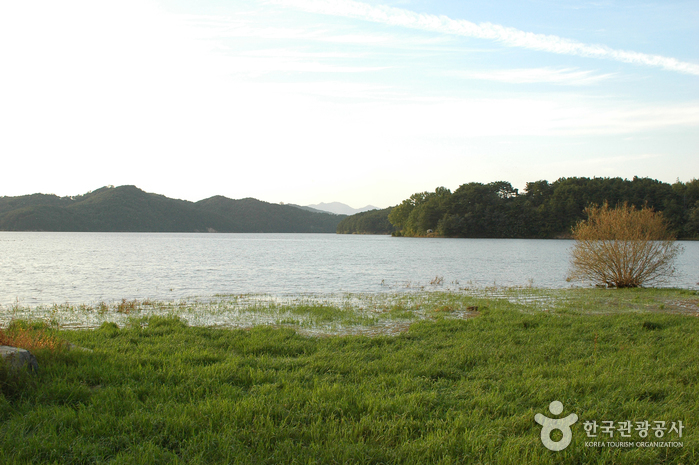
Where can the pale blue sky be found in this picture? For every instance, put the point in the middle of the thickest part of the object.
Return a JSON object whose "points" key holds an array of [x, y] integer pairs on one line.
{"points": [[308, 101]]}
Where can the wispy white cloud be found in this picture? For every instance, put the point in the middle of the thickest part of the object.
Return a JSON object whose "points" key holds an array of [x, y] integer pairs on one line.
{"points": [[252, 65], [507, 35], [258, 27], [564, 76], [290, 53]]}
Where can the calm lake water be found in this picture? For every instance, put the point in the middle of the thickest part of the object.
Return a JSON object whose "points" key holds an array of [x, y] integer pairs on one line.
{"points": [[39, 268]]}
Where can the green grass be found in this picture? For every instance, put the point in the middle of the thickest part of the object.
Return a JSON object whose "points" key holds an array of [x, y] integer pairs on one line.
{"points": [[447, 390]]}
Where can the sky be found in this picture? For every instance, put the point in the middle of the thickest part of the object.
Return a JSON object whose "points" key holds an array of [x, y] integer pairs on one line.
{"points": [[361, 102]]}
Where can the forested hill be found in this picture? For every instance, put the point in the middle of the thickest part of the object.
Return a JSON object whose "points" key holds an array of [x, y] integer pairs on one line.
{"points": [[543, 210], [368, 222], [128, 208]]}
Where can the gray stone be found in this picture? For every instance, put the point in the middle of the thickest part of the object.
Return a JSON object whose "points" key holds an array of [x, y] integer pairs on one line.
{"points": [[70, 346], [18, 358]]}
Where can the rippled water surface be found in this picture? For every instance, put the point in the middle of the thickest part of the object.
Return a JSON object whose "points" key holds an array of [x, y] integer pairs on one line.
{"points": [[38, 268]]}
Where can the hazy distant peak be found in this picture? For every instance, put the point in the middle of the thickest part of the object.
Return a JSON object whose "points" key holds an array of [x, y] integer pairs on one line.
{"points": [[340, 208]]}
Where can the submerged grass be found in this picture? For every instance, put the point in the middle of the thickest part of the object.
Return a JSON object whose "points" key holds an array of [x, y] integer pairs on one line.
{"points": [[341, 314], [156, 389]]}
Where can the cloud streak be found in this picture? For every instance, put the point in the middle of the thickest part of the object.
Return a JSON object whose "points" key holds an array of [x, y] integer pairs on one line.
{"points": [[566, 76], [507, 35]]}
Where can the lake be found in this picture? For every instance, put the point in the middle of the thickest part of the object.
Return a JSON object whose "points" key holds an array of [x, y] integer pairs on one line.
{"points": [[38, 268]]}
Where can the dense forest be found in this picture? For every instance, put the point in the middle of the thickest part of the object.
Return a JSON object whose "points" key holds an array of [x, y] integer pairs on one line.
{"points": [[128, 208], [543, 210], [369, 222]]}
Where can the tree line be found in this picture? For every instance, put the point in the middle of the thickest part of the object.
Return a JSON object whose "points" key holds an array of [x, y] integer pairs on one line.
{"points": [[369, 222], [543, 210]]}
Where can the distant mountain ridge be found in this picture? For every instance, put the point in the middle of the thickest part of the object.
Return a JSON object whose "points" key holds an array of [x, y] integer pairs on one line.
{"points": [[340, 208], [130, 209]]}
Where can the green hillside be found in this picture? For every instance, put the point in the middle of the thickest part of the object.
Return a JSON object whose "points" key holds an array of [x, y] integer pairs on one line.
{"points": [[8, 204], [252, 215], [128, 208]]}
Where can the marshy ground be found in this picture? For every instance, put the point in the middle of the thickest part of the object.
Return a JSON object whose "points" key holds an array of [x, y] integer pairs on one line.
{"points": [[344, 314], [446, 377]]}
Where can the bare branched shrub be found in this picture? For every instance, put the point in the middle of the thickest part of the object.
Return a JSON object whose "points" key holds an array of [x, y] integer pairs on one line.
{"points": [[623, 247]]}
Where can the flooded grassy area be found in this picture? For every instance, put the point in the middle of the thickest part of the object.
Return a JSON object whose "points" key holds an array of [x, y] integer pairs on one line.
{"points": [[385, 313]]}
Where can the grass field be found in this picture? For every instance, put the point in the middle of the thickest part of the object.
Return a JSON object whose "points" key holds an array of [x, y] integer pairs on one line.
{"points": [[411, 378]]}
